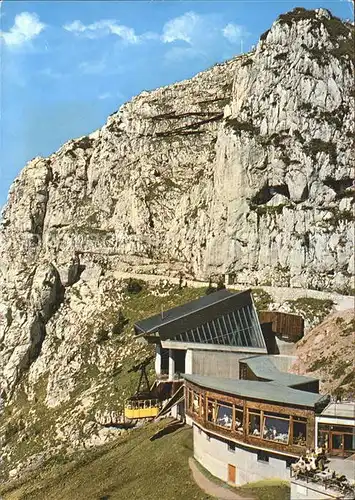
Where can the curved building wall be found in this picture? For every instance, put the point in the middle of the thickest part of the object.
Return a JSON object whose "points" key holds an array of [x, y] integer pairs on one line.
{"points": [[214, 455]]}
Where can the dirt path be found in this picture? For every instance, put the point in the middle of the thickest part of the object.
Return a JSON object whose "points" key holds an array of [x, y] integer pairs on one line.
{"points": [[210, 487]]}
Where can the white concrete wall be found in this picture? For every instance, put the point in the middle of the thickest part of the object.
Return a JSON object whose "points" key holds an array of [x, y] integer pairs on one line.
{"points": [[188, 420], [218, 364], [171, 364], [157, 359], [188, 362], [286, 348], [214, 455]]}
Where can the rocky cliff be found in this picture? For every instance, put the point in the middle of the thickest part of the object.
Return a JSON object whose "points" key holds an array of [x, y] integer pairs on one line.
{"points": [[246, 170], [326, 352]]}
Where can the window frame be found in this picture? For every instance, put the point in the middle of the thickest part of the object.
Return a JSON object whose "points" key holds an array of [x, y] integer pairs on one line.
{"points": [[303, 421], [266, 415], [230, 406]]}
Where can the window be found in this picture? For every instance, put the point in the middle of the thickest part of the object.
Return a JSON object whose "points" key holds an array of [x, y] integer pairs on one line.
{"points": [[224, 414], [239, 420], [323, 440], [276, 427], [336, 439], [243, 371], [196, 403], [233, 328], [263, 456], [231, 447], [189, 399], [349, 442], [211, 410], [299, 431], [254, 422], [202, 411]]}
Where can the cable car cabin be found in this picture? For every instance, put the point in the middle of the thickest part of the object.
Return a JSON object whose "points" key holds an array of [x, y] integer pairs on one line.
{"points": [[141, 407], [144, 403]]}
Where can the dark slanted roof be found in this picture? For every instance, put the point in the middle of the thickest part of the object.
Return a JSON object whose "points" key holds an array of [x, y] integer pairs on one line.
{"points": [[264, 368], [252, 389], [208, 314], [154, 323]]}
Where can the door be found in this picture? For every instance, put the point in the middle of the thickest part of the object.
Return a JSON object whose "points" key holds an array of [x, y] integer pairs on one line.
{"points": [[337, 443], [231, 473]]}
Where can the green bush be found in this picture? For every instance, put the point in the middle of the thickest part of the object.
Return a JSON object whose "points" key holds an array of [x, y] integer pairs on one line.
{"points": [[262, 299], [133, 286], [312, 308]]}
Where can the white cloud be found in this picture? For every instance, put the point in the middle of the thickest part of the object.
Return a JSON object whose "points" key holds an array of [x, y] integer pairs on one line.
{"points": [[181, 28], [75, 27], [103, 28], [26, 27], [105, 95], [234, 32]]}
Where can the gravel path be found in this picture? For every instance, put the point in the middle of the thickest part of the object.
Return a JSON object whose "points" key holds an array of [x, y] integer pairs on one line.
{"points": [[210, 487]]}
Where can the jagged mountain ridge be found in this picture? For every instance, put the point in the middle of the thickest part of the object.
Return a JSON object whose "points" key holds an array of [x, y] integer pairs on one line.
{"points": [[245, 169]]}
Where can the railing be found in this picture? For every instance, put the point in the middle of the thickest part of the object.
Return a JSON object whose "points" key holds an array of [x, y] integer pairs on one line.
{"points": [[328, 481], [141, 404]]}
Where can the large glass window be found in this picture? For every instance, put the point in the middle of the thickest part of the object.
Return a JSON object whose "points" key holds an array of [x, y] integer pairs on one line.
{"points": [[299, 431], [254, 422], [238, 328], [224, 414], [239, 420], [276, 427], [337, 439]]}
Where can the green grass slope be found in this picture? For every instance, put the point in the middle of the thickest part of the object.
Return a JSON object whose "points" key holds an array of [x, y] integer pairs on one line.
{"points": [[133, 467]]}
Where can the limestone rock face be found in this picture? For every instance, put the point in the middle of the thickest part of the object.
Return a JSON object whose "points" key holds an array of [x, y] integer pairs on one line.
{"points": [[246, 169], [326, 352]]}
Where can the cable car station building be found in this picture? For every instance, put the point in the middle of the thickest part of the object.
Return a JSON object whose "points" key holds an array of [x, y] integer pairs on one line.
{"points": [[251, 419], [206, 336]]}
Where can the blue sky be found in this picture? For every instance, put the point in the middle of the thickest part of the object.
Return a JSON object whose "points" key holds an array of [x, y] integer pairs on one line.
{"points": [[67, 65]]}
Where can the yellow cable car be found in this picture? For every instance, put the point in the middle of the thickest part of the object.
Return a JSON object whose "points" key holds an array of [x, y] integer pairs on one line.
{"points": [[143, 404], [142, 408]]}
